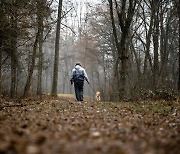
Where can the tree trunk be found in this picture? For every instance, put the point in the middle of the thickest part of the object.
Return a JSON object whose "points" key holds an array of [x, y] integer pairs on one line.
{"points": [[1, 48], [138, 65], [156, 45], [13, 51], [40, 7], [148, 42], [56, 56], [124, 67], [125, 19], [0, 68], [31, 69], [178, 10], [13, 78], [164, 52], [116, 81], [147, 55]]}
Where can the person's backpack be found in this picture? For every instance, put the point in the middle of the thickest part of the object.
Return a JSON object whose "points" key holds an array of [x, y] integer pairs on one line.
{"points": [[78, 74]]}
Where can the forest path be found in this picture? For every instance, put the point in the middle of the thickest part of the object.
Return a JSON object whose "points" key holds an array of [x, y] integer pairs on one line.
{"points": [[53, 126]]}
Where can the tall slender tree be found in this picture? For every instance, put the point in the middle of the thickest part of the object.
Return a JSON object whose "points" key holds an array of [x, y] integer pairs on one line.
{"points": [[156, 43], [0, 69], [177, 3], [40, 10], [178, 10], [31, 68], [13, 48], [56, 56]]}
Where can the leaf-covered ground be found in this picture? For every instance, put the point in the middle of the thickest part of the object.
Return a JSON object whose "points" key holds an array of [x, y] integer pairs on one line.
{"points": [[58, 126]]}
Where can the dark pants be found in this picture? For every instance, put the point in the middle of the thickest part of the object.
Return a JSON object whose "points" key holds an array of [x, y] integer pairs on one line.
{"points": [[78, 87]]}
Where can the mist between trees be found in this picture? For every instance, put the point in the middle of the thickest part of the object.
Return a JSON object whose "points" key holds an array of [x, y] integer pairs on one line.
{"points": [[130, 49]]}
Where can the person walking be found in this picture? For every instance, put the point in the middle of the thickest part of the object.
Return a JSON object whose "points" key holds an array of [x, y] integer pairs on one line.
{"points": [[77, 77]]}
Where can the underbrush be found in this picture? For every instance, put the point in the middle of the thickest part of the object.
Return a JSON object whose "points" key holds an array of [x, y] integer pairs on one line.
{"points": [[142, 106]]}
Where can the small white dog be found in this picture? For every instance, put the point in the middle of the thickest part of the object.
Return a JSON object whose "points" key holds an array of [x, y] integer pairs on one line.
{"points": [[98, 96]]}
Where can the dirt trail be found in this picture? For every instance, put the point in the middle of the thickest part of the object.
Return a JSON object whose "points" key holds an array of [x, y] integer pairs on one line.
{"points": [[59, 126]]}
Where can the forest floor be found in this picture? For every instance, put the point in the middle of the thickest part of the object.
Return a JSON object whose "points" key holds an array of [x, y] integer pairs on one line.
{"points": [[62, 126]]}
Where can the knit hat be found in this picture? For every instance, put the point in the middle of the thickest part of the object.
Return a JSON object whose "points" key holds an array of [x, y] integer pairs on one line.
{"points": [[78, 63]]}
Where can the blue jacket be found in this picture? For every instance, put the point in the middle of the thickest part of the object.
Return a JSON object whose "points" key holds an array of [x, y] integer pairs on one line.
{"points": [[79, 74]]}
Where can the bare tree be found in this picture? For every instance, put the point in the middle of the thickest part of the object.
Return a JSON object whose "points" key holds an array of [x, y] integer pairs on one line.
{"points": [[31, 68], [155, 6], [56, 56], [0, 67], [13, 48], [41, 10], [125, 16], [178, 10]]}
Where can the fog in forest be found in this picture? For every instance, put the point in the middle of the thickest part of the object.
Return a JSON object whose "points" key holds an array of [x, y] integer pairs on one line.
{"points": [[128, 49]]}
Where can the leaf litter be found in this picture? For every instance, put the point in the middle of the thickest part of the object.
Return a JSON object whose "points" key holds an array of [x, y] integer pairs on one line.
{"points": [[59, 126]]}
